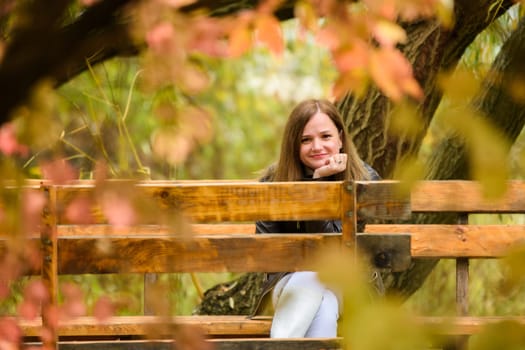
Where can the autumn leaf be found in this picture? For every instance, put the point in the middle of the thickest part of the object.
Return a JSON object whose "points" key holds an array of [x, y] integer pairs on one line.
{"points": [[73, 305], [385, 8], [160, 38], [191, 78], [328, 38], [79, 211], [268, 31], [117, 209], [207, 36], [103, 308], [240, 41], [35, 293], [171, 146], [32, 206], [305, 13], [355, 81], [9, 332], [9, 144], [59, 171], [388, 33], [393, 74], [176, 3], [352, 57]]}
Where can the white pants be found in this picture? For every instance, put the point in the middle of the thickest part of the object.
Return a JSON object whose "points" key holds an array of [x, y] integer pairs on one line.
{"points": [[304, 308]]}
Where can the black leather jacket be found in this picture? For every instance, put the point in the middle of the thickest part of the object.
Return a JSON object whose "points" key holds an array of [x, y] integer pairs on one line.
{"points": [[323, 226]]}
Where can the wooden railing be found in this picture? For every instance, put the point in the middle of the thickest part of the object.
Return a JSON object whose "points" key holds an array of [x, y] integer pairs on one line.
{"points": [[208, 227]]}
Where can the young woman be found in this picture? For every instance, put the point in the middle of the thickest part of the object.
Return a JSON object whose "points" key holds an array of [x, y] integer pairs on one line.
{"points": [[314, 146]]}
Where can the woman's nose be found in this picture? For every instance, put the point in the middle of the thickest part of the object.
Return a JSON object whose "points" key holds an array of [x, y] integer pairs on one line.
{"points": [[316, 144]]}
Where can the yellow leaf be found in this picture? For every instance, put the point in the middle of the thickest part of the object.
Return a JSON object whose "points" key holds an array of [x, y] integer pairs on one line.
{"points": [[445, 13], [406, 121], [306, 15], [459, 86], [408, 171]]}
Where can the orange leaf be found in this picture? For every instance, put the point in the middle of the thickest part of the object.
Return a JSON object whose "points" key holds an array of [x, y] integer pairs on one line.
{"points": [[388, 33], [240, 41], [268, 30], [392, 73], [354, 81], [355, 57]]}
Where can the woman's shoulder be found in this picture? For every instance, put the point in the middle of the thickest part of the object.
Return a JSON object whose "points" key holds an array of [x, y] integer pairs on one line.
{"points": [[268, 174], [372, 173]]}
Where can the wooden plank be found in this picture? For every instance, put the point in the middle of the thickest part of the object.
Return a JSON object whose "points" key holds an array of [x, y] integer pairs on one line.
{"points": [[240, 326], [464, 325], [215, 202], [382, 200], [451, 241], [217, 344], [101, 230], [237, 325], [234, 253], [442, 196]]}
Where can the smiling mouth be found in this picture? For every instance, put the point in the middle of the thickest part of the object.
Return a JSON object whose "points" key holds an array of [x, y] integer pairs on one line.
{"points": [[318, 156]]}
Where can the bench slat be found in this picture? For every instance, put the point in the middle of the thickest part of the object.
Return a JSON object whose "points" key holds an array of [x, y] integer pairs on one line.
{"points": [[207, 202], [144, 325], [216, 344], [453, 241], [465, 196], [235, 325], [237, 253]]}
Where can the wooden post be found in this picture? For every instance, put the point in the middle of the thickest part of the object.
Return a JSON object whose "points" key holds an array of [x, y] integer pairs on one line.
{"points": [[462, 282], [348, 215], [49, 274], [150, 279]]}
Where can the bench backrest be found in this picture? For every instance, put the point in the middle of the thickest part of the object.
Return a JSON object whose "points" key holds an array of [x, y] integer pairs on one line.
{"points": [[208, 226]]}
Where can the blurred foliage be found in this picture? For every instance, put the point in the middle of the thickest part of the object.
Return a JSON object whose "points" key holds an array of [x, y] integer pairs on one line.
{"points": [[106, 115]]}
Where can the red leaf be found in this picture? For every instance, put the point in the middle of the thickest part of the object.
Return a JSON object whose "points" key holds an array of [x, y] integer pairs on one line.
{"points": [[119, 211], [79, 211], [9, 331], [103, 308], [8, 141], [59, 171]]}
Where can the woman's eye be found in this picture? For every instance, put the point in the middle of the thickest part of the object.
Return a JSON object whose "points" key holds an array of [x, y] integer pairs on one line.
{"points": [[327, 136], [305, 140]]}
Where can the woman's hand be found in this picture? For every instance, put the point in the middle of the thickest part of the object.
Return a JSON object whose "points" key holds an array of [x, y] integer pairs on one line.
{"points": [[335, 164]]}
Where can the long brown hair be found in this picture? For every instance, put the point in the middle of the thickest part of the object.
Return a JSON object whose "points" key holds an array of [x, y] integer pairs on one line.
{"points": [[289, 167]]}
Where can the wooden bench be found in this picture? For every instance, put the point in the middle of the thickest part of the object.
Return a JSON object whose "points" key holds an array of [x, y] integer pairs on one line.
{"points": [[208, 227]]}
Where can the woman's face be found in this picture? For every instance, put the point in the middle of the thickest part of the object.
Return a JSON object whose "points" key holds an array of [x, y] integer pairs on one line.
{"points": [[320, 140]]}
